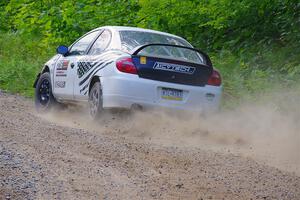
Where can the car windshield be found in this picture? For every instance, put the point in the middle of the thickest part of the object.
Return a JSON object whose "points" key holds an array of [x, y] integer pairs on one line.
{"points": [[133, 39]]}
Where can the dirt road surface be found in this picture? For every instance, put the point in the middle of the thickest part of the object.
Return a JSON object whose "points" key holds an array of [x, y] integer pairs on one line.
{"points": [[63, 156]]}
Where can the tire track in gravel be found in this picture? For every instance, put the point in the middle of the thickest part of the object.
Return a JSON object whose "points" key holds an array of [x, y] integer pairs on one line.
{"points": [[73, 163]]}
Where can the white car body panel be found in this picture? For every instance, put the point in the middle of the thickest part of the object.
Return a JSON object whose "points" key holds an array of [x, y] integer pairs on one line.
{"points": [[122, 90], [125, 91]]}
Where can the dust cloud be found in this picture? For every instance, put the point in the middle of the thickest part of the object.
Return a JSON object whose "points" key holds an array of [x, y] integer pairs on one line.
{"points": [[266, 129]]}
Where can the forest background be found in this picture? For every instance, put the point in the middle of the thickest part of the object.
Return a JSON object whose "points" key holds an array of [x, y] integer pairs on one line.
{"points": [[253, 43]]}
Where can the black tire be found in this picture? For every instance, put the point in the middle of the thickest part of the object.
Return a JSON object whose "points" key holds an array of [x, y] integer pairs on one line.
{"points": [[44, 100], [95, 101]]}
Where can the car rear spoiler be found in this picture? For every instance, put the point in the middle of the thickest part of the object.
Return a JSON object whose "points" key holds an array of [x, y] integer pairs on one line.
{"points": [[136, 50]]}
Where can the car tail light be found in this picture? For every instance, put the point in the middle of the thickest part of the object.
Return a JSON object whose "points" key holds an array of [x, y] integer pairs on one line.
{"points": [[126, 65], [215, 79]]}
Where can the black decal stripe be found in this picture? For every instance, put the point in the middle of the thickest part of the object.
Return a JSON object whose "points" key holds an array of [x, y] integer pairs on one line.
{"points": [[88, 76], [86, 86], [85, 66], [94, 63], [103, 67], [95, 68], [98, 62]]}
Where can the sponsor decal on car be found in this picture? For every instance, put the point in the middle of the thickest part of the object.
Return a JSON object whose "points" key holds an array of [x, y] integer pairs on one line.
{"points": [[61, 73], [62, 65], [143, 60], [60, 84], [174, 68]]}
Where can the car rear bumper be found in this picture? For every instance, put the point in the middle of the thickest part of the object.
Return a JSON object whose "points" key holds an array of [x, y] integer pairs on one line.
{"points": [[130, 90]]}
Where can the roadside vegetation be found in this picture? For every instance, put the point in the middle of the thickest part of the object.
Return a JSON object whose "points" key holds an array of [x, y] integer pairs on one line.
{"points": [[254, 43]]}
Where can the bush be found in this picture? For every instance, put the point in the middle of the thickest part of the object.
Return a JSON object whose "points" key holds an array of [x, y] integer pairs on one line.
{"points": [[21, 59], [254, 43]]}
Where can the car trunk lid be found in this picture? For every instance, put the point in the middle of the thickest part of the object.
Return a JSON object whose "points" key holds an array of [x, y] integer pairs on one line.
{"points": [[172, 70]]}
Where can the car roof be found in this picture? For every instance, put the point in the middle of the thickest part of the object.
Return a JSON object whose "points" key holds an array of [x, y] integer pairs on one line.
{"points": [[128, 28]]}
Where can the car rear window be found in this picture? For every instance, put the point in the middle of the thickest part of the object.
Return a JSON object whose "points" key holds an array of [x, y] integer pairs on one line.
{"points": [[133, 39]]}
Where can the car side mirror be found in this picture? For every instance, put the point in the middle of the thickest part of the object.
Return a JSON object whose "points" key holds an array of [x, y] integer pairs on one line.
{"points": [[62, 50]]}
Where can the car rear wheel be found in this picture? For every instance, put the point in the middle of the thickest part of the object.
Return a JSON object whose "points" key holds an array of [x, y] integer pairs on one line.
{"points": [[44, 99], [95, 101]]}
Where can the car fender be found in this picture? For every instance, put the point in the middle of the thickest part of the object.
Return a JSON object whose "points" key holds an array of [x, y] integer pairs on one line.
{"points": [[48, 67], [108, 67], [105, 72]]}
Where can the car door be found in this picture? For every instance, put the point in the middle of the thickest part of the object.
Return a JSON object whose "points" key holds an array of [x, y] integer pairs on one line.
{"points": [[88, 65], [65, 68]]}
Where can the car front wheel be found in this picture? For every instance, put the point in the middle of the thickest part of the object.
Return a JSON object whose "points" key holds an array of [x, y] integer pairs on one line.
{"points": [[44, 99]]}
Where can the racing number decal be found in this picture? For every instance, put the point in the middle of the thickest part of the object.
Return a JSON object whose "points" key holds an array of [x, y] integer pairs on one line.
{"points": [[60, 84], [61, 68]]}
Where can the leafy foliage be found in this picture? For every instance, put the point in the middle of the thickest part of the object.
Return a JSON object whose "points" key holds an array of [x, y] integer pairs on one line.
{"points": [[254, 43], [64, 21], [214, 24], [210, 25], [21, 58]]}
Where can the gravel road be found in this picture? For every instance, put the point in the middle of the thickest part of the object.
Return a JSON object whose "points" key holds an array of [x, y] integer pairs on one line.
{"points": [[42, 158]]}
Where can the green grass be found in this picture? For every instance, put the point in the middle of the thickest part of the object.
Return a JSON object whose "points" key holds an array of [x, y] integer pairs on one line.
{"points": [[246, 74], [21, 57]]}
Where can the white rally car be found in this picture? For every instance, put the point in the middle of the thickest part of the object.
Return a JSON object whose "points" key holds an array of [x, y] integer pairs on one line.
{"points": [[125, 67]]}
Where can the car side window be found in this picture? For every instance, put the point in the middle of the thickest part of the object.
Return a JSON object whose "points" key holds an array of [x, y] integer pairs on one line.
{"points": [[80, 47], [101, 43]]}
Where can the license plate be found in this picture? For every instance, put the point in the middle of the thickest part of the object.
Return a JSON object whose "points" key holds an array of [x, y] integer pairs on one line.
{"points": [[171, 94]]}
